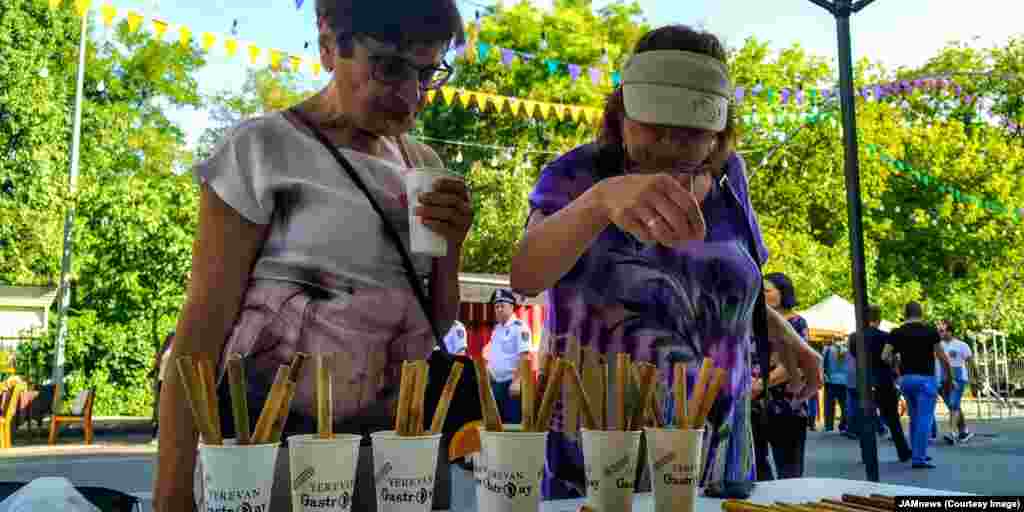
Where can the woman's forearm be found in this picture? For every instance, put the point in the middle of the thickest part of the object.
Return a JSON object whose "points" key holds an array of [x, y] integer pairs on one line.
{"points": [[554, 244], [444, 288]]}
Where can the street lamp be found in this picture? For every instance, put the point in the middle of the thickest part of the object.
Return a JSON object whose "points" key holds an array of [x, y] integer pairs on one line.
{"points": [[842, 10], [69, 219]]}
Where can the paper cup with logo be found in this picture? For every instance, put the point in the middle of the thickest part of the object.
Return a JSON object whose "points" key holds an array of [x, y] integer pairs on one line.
{"points": [[403, 470], [422, 240], [238, 477], [675, 464], [609, 458], [514, 462], [323, 472]]}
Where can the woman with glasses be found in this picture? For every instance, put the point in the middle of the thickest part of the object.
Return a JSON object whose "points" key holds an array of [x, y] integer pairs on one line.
{"points": [[291, 257], [647, 244]]}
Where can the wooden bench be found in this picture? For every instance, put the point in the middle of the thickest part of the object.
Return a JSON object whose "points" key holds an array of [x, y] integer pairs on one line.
{"points": [[81, 412]]}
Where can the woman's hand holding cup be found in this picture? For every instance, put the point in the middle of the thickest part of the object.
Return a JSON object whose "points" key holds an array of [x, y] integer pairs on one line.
{"points": [[657, 207]]}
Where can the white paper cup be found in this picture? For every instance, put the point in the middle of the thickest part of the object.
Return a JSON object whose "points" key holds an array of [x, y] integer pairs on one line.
{"points": [[421, 239], [238, 477], [609, 458], [403, 470], [673, 456], [323, 472], [514, 467]]}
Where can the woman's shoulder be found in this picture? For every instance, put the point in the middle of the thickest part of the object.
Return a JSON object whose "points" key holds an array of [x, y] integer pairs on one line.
{"points": [[267, 129]]}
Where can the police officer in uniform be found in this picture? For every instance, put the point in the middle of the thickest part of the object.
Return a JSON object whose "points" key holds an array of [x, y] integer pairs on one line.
{"points": [[510, 341], [455, 341]]}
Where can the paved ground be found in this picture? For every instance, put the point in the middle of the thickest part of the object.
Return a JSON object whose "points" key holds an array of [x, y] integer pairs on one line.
{"points": [[988, 465]]}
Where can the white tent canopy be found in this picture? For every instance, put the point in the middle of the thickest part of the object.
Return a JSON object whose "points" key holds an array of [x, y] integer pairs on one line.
{"points": [[836, 314]]}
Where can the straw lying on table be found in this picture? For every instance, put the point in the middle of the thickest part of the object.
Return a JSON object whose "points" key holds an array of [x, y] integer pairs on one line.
{"points": [[849, 503]]}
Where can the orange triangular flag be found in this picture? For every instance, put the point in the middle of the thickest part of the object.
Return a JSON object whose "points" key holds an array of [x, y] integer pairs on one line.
{"points": [[184, 36], [134, 21], [254, 53], [447, 93], [431, 94], [108, 11], [275, 59], [159, 27], [231, 46], [209, 39], [82, 6]]}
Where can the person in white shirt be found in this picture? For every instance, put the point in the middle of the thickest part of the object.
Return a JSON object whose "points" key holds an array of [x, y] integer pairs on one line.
{"points": [[455, 341], [959, 354], [510, 341]]}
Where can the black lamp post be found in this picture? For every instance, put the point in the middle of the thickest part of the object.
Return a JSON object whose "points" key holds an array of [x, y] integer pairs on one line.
{"points": [[842, 10]]}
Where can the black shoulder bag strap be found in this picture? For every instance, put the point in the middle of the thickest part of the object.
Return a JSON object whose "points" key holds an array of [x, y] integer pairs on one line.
{"points": [[465, 409]]}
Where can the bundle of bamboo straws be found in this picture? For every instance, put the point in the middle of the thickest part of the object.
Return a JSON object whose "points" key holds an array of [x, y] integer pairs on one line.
{"points": [[693, 413], [849, 503], [536, 415], [200, 391], [409, 420]]}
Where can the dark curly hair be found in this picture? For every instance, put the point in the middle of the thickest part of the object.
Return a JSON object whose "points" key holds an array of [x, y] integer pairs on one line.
{"points": [[784, 285]]}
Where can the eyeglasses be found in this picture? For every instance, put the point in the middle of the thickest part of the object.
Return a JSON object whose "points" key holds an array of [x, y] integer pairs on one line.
{"points": [[392, 69]]}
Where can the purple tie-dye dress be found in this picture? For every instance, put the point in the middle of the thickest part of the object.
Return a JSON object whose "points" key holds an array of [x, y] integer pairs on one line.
{"points": [[656, 303]]}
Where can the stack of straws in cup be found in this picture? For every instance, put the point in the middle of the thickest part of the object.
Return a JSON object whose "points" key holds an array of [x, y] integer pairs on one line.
{"points": [[849, 503], [411, 394]]}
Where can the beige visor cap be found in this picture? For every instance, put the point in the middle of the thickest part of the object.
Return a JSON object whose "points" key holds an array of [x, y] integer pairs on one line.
{"points": [[677, 88]]}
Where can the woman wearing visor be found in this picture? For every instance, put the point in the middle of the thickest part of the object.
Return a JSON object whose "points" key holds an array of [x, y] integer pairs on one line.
{"points": [[647, 244], [290, 256]]}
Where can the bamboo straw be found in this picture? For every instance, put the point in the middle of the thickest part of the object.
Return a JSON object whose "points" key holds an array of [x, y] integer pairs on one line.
{"points": [[209, 388], [550, 362], [603, 374], [404, 399], [239, 399], [547, 406], [831, 507], [710, 396], [196, 400], [489, 407], [653, 412], [590, 372], [839, 506], [417, 428], [298, 361], [527, 393], [698, 393], [589, 419], [621, 371], [268, 416], [859, 503], [277, 430], [870, 501], [324, 396], [679, 394], [639, 416], [744, 506], [441, 413], [888, 499], [792, 507]]}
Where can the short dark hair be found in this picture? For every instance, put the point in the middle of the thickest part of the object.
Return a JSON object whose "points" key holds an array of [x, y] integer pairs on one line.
{"points": [[873, 314], [782, 283], [397, 22], [913, 310], [948, 324]]}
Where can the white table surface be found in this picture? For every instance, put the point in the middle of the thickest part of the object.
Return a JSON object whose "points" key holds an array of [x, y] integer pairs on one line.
{"points": [[794, 490]]}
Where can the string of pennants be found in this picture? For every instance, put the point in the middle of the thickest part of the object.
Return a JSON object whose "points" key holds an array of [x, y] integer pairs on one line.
{"points": [[922, 177]]}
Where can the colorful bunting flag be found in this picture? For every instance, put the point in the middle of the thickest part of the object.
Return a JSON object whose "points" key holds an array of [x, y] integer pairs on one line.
{"points": [[134, 21], [231, 47], [82, 6], [254, 54], [159, 27], [184, 36], [108, 12], [208, 40], [275, 59], [296, 63]]}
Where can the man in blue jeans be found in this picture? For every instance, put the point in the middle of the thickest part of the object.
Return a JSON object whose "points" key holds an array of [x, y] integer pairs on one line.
{"points": [[916, 345], [835, 386]]}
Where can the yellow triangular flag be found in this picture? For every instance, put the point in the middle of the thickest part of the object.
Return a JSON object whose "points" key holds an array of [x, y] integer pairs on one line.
{"points": [[82, 6], [231, 46], [275, 59], [566, 113], [54, 4], [108, 11], [465, 97], [316, 69], [254, 53], [209, 39], [184, 36], [134, 21], [296, 63], [159, 27], [510, 104], [447, 93]]}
